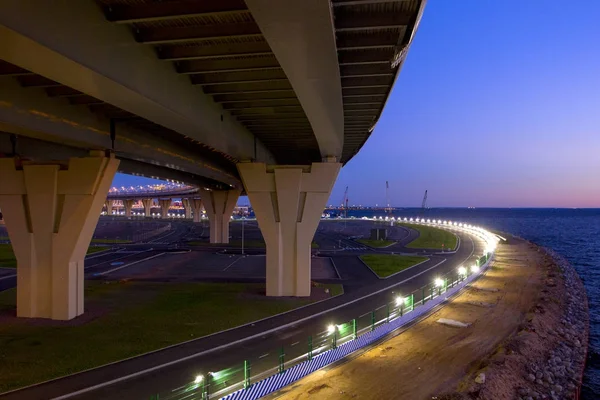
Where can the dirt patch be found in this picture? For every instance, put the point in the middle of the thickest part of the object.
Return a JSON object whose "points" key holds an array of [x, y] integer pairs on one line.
{"points": [[434, 361]]}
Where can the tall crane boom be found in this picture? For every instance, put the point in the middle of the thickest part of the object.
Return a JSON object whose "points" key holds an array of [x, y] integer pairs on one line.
{"points": [[345, 203], [388, 208], [424, 204]]}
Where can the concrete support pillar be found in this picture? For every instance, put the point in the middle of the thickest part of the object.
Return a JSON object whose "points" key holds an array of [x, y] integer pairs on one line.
{"points": [[109, 206], [288, 202], [128, 204], [165, 204], [187, 207], [219, 205], [51, 213], [147, 206], [196, 205]]}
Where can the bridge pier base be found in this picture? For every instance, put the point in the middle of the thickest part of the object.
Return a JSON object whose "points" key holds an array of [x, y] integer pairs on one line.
{"points": [[187, 208], [147, 207], [128, 204], [165, 204], [51, 213], [197, 205], [288, 202], [109, 206], [219, 205]]}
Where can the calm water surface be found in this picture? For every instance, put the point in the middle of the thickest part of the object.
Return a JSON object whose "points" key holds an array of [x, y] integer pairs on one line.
{"points": [[573, 233]]}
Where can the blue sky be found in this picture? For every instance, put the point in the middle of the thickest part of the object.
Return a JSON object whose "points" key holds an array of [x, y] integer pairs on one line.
{"points": [[497, 104]]}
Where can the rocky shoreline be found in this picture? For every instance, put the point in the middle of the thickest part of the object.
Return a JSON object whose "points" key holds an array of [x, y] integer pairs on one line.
{"points": [[545, 358]]}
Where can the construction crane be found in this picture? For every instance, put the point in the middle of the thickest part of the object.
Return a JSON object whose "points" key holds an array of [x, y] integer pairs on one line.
{"points": [[345, 203], [424, 204], [388, 208]]}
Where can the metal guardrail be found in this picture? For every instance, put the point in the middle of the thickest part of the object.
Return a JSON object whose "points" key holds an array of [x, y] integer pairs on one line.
{"points": [[254, 378]]}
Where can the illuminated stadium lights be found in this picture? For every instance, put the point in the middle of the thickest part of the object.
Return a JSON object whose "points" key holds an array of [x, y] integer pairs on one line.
{"points": [[462, 270]]}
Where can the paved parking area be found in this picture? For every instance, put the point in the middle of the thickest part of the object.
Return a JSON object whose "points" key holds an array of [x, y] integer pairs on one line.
{"points": [[198, 265]]}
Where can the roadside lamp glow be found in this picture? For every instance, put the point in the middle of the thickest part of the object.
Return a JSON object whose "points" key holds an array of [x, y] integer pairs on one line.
{"points": [[439, 221], [399, 300], [462, 270], [474, 268], [198, 379], [331, 329], [439, 282], [411, 219], [428, 221]]}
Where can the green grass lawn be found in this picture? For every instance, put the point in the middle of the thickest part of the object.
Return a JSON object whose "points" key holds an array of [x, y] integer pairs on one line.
{"points": [[7, 257], [335, 289], [376, 243], [255, 244], [110, 241], [128, 319], [388, 264], [432, 238]]}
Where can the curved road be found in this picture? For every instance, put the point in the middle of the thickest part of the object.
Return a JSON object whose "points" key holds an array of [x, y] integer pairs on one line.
{"points": [[175, 367]]}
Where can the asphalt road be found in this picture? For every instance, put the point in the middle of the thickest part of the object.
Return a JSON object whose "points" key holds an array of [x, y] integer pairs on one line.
{"points": [[229, 348]]}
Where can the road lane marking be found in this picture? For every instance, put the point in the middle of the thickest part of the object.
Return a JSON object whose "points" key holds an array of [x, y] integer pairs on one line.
{"points": [[130, 264], [242, 340]]}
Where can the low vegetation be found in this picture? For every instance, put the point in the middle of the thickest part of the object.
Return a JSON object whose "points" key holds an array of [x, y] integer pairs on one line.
{"points": [[124, 319], [385, 265], [7, 257], [250, 244], [376, 243], [110, 241], [432, 238]]}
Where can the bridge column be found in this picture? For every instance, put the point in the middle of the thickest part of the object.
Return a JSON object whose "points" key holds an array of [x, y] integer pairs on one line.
{"points": [[128, 204], [51, 213], [197, 208], [147, 207], [165, 204], [109, 206], [187, 207], [288, 202], [219, 205]]}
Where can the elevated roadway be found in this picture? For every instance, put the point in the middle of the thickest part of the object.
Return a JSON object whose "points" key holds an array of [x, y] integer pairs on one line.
{"points": [[259, 97]]}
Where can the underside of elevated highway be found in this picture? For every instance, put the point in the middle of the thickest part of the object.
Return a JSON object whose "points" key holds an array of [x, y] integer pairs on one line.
{"points": [[265, 98]]}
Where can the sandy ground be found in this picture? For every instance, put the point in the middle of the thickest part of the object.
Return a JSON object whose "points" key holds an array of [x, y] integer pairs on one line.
{"points": [[433, 361]]}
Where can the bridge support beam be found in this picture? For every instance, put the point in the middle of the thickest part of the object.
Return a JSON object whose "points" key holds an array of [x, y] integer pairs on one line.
{"points": [[288, 202], [219, 205], [51, 213], [165, 204], [109, 206], [197, 209], [147, 207], [128, 204], [187, 208]]}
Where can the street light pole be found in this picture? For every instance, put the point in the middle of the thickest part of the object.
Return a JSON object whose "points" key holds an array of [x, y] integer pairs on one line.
{"points": [[242, 235]]}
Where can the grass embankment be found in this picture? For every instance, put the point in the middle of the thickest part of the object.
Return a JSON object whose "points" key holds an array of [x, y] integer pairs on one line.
{"points": [[110, 241], [432, 238], [385, 265], [7, 257], [376, 243], [126, 319], [254, 244]]}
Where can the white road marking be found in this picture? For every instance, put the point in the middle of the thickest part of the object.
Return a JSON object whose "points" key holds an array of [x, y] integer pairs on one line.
{"points": [[130, 264]]}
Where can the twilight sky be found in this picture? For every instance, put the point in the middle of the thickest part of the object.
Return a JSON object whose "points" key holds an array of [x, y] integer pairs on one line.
{"points": [[497, 105]]}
